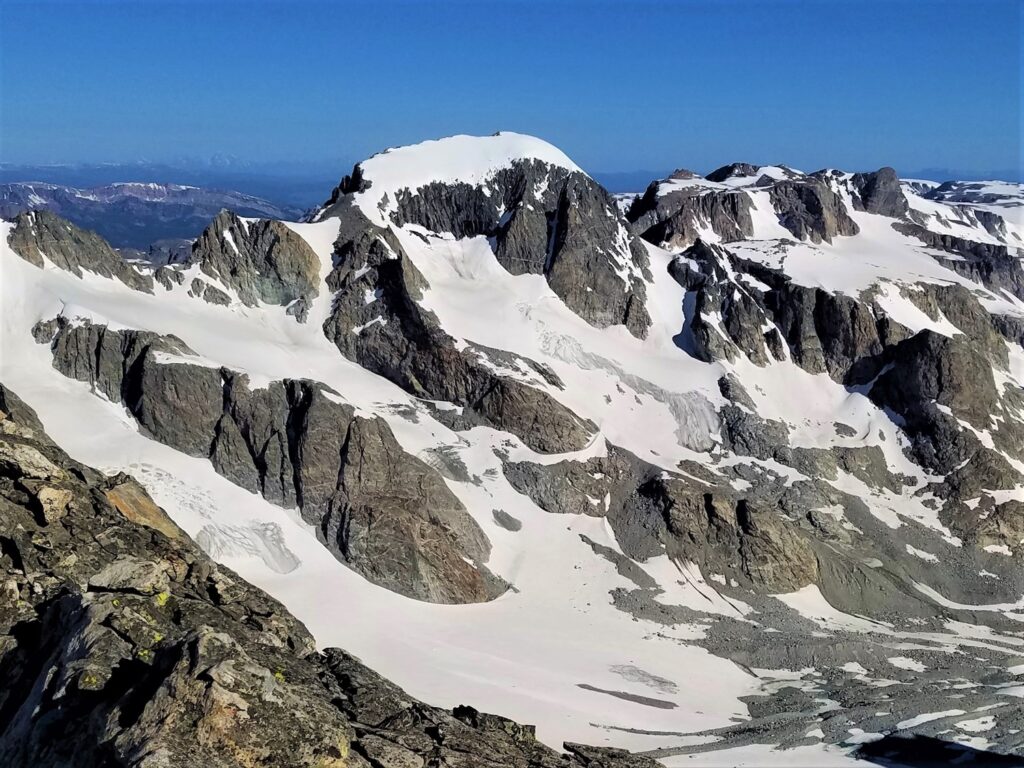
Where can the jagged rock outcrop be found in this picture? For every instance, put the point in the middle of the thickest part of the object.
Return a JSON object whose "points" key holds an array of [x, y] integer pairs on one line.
{"points": [[994, 266], [732, 537], [39, 233], [383, 512], [880, 192], [121, 643], [541, 219], [931, 382], [761, 317], [262, 261], [675, 212], [674, 216], [652, 513], [378, 322], [998, 525], [809, 209]]}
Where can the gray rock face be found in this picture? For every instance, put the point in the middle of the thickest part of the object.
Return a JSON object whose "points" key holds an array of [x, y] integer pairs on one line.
{"points": [[728, 316], [929, 370], [880, 192], [929, 367], [930, 384], [71, 248], [652, 514], [994, 266], [133, 646], [675, 219], [392, 335], [810, 210], [383, 512], [832, 333], [732, 537], [263, 261], [824, 332], [542, 219]]}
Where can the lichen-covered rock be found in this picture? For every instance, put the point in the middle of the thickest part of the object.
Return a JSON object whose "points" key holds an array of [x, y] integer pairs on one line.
{"points": [[135, 647]]}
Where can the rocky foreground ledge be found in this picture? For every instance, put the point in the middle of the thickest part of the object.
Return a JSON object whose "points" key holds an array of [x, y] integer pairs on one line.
{"points": [[121, 643]]}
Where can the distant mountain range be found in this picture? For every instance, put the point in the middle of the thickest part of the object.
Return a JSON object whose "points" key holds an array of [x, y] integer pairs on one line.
{"points": [[136, 215], [298, 186]]}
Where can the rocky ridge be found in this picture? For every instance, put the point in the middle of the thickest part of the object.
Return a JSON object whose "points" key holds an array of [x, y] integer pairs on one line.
{"points": [[381, 511], [773, 429]]}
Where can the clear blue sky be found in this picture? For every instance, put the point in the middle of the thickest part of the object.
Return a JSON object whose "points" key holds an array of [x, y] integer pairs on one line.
{"points": [[618, 85]]}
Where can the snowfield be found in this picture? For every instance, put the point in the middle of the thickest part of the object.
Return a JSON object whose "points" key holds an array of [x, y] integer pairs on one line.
{"points": [[555, 650]]}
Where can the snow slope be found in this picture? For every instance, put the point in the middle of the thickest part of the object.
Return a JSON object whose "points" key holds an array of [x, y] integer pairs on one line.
{"points": [[554, 651]]}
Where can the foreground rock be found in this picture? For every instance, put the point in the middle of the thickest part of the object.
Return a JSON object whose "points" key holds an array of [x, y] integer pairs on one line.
{"points": [[122, 644]]}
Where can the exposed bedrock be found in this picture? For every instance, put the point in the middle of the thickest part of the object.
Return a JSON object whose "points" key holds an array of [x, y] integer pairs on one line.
{"points": [[381, 511], [262, 260], [880, 192], [994, 266], [676, 218], [929, 368], [674, 212], [121, 643], [773, 539], [378, 322], [939, 389], [811, 210], [541, 219], [40, 233], [742, 306]]}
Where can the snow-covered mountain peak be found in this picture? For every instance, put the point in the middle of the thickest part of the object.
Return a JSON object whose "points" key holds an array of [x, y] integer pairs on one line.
{"points": [[462, 158], [751, 451], [377, 184]]}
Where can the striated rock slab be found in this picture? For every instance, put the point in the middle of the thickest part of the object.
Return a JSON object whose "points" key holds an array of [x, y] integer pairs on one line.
{"points": [[385, 513], [40, 233], [262, 260]]}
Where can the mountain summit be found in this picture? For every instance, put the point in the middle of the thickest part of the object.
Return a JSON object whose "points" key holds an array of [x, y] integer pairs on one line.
{"points": [[731, 472]]}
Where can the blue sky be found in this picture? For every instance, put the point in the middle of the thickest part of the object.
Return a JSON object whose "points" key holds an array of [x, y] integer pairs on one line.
{"points": [[619, 86]]}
